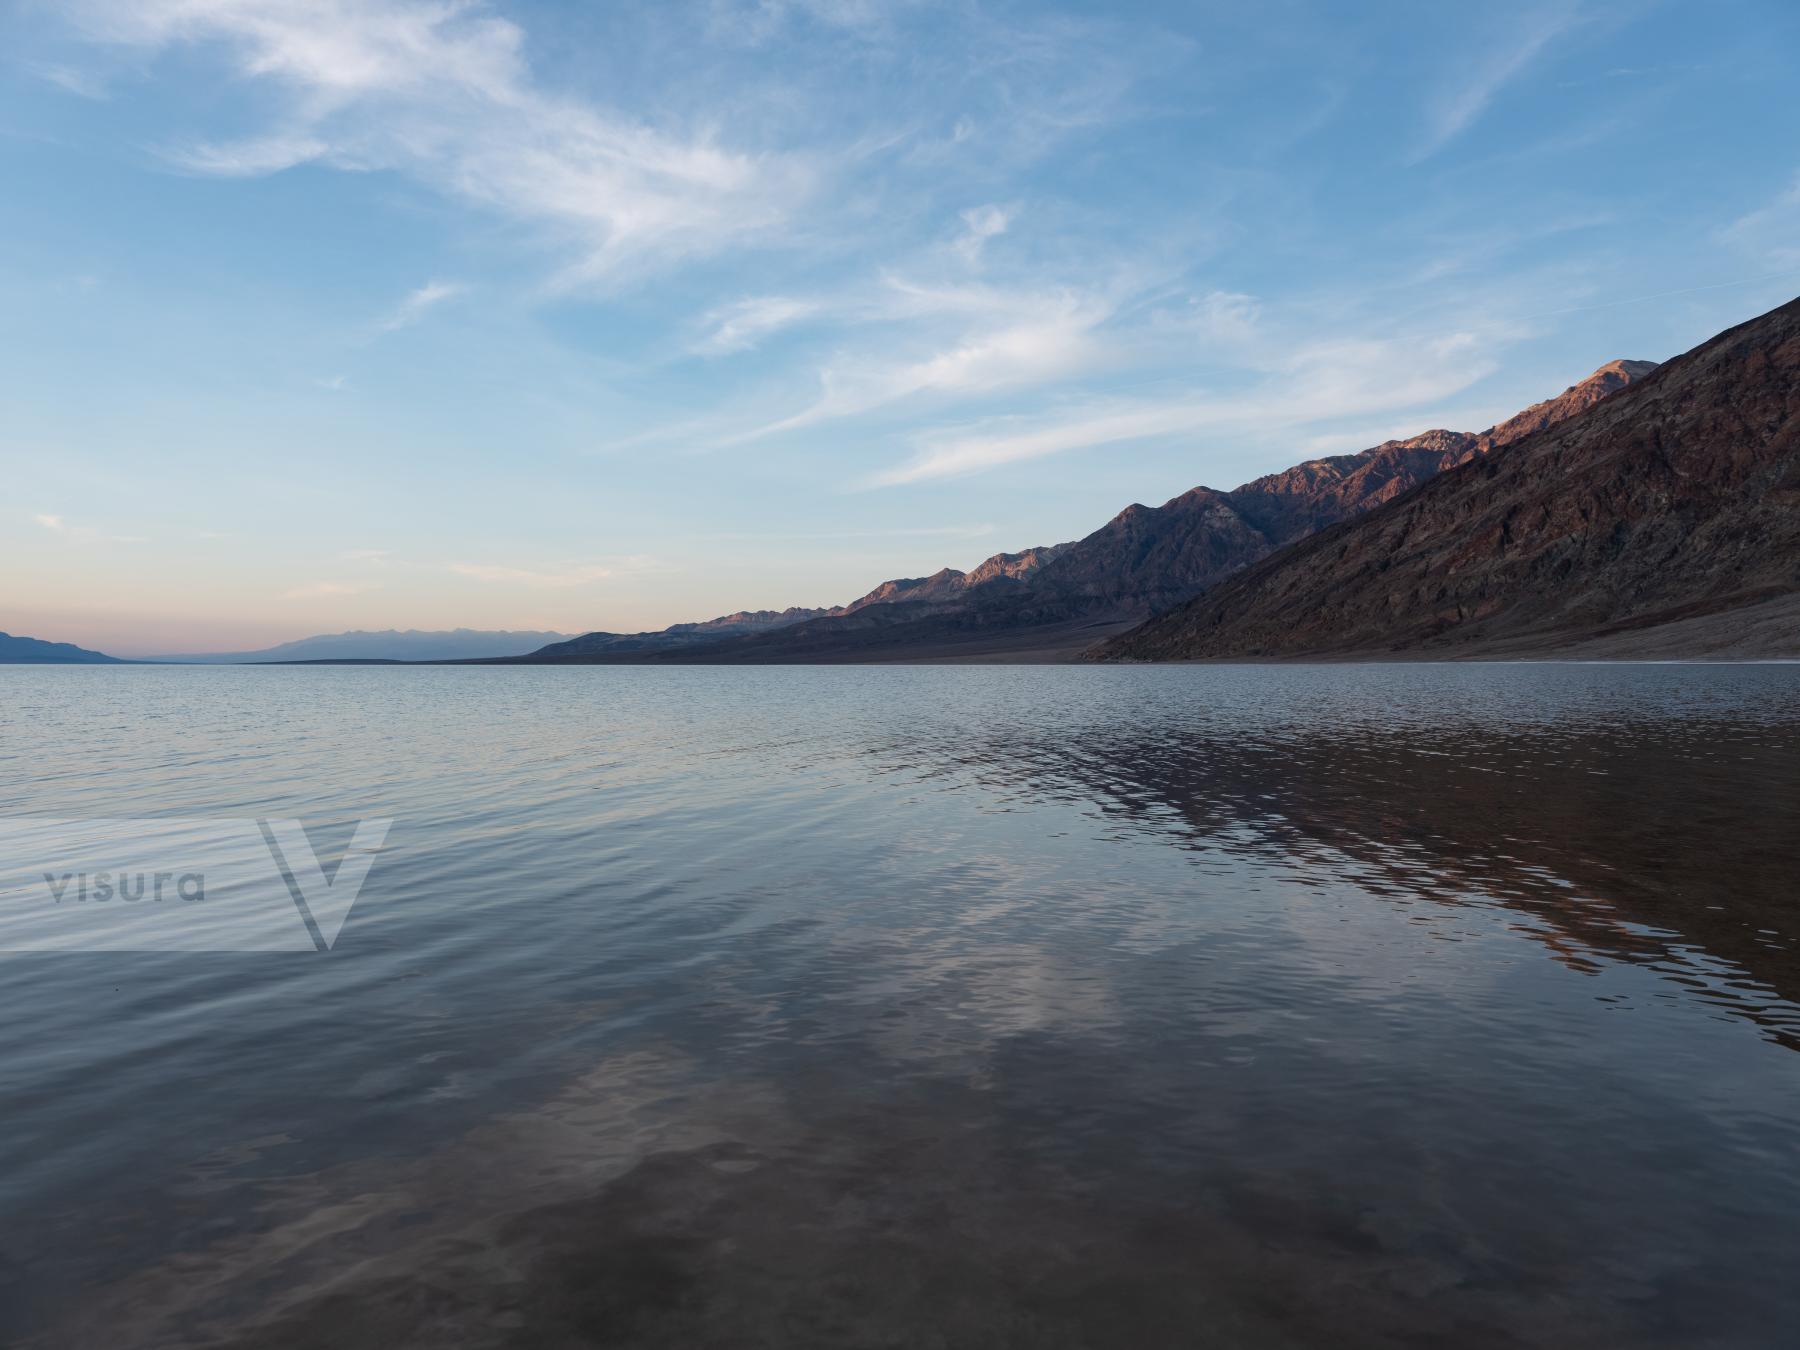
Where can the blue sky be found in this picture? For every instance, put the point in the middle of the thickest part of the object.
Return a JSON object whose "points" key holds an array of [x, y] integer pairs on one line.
{"points": [[318, 314]]}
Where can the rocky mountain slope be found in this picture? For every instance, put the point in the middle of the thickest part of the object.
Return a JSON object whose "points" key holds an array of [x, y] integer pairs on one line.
{"points": [[1676, 500], [1152, 557], [1056, 601]]}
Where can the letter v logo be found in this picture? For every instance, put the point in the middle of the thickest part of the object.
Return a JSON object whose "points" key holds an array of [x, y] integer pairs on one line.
{"points": [[323, 902]]}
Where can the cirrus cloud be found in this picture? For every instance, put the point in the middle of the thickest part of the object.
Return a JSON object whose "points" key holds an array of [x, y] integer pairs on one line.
{"points": [[325, 590], [413, 308], [555, 577], [1320, 382], [442, 93]]}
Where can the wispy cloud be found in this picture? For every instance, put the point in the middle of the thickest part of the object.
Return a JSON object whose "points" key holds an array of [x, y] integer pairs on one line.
{"points": [[758, 21], [442, 92], [60, 525], [919, 532], [1217, 318], [744, 323], [892, 298], [70, 80], [250, 158], [1772, 233], [959, 341], [1003, 340], [555, 577], [1318, 383], [324, 590], [982, 223], [415, 306], [1468, 91]]}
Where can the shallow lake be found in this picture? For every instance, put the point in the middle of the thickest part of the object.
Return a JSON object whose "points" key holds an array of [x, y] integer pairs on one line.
{"points": [[961, 1006]]}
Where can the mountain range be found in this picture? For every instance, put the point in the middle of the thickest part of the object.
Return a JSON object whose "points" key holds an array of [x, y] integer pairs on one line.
{"points": [[1663, 522], [944, 587], [1647, 511], [458, 644], [36, 651], [1052, 602]]}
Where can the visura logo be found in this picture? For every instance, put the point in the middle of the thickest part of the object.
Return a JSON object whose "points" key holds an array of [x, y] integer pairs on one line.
{"points": [[126, 886], [188, 884]]}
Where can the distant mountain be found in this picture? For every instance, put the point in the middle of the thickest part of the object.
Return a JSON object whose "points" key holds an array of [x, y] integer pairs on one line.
{"points": [[1056, 601], [460, 644], [1642, 525], [599, 646], [35, 651], [1003, 570]]}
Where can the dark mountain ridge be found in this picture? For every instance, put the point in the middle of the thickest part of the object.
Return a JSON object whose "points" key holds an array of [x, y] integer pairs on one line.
{"points": [[389, 644], [1053, 602], [1148, 558], [36, 651], [946, 586], [1675, 501], [603, 646]]}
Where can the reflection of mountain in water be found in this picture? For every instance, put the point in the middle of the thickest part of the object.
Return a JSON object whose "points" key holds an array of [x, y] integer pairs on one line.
{"points": [[1002, 1007], [1654, 841]]}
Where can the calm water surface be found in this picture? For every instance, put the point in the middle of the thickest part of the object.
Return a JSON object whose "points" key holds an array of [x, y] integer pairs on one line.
{"points": [[931, 1007]]}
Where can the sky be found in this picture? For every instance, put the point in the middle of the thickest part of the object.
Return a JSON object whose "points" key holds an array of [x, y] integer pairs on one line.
{"points": [[332, 314]]}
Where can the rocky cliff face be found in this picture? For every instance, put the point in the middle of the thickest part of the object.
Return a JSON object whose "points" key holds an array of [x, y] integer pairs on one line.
{"points": [[1150, 555], [1155, 557], [944, 584], [1678, 497], [1016, 566], [1321, 492], [1610, 378]]}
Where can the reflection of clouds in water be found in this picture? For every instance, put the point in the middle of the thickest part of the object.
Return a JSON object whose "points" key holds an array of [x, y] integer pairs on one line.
{"points": [[1074, 1190], [356, 1226], [1275, 1175], [1662, 836], [945, 943], [702, 997], [952, 1007]]}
